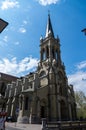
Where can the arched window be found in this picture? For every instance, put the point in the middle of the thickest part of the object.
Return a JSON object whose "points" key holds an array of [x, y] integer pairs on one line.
{"points": [[60, 91], [47, 52], [53, 53], [42, 74], [43, 54]]}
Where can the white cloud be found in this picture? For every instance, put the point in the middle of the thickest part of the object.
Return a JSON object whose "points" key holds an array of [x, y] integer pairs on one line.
{"points": [[78, 78], [6, 4], [17, 43], [5, 39], [81, 65], [22, 30], [25, 22], [14, 67], [48, 2]]}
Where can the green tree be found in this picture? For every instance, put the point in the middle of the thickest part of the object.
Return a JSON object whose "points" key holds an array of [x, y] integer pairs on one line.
{"points": [[81, 104]]}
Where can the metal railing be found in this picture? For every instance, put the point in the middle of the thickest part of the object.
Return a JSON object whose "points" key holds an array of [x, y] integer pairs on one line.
{"points": [[63, 125]]}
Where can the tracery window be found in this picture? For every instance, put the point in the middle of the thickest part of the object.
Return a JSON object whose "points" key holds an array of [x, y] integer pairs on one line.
{"points": [[43, 54], [42, 74], [47, 52], [53, 53]]}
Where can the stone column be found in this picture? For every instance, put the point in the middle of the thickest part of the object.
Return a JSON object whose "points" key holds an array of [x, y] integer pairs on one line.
{"points": [[20, 101], [49, 50], [21, 108], [13, 107], [58, 104], [53, 108], [59, 109], [41, 55], [23, 104], [30, 118], [70, 111]]}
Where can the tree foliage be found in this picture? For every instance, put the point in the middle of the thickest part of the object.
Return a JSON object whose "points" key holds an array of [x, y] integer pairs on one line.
{"points": [[81, 104]]}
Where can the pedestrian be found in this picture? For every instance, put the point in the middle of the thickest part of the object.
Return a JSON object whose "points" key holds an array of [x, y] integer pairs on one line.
{"points": [[1, 122], [4, 119]]}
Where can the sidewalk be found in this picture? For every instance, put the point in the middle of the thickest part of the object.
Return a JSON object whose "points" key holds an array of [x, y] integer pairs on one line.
{"points": [[24, 126]]}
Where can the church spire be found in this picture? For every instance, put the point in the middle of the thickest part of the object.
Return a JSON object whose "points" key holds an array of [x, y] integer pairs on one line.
{"points": [[49, 29]]}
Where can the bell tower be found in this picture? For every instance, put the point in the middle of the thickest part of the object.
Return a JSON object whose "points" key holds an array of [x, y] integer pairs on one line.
{"points": [[51, 71], [50, 46], [53, 82]]}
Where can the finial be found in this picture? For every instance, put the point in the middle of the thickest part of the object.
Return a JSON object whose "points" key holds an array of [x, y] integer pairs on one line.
{"points": [[41, 37]]}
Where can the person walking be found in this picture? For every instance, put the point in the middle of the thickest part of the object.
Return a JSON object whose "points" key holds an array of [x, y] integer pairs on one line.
{"points": [[1, 122]]}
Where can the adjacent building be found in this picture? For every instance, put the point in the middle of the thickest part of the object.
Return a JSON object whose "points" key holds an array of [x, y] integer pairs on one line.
{"points": [[4, 80], [44, 93]]}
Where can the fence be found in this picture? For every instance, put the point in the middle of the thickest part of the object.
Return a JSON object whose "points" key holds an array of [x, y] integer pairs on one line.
{"points": [[63, 125]]}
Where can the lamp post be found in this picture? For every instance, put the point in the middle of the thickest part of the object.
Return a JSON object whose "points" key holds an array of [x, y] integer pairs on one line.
{"points": [[3, 25]]}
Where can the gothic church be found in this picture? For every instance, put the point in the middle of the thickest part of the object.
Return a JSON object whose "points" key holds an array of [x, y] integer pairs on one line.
{"points": [[44, 93]]}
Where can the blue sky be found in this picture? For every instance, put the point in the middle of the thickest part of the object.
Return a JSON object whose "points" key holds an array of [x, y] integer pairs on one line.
{"points": [[19, 42]]}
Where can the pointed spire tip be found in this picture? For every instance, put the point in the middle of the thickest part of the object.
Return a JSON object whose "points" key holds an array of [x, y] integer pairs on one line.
{"points": [[49, 29]]}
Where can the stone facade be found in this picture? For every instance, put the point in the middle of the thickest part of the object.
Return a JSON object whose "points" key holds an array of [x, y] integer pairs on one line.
{"points": [[4, 80], [44, 93]]}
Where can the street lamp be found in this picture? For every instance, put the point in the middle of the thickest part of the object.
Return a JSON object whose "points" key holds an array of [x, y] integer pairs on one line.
{"points": [[3, 25]]}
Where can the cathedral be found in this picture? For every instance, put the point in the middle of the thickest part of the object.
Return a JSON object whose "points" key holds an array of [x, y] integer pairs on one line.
{"points": [[44, 93]]}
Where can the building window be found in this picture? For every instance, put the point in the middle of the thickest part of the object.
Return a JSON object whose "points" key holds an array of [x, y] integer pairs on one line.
{"points": [[53, 53], [43, 55], [31, 85], [26, 103], [56, 55], [47, 52], [42, 74], [60, 91]]}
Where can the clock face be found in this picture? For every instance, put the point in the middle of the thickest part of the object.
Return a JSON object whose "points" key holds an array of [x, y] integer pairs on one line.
{"points": [[43, 82]]}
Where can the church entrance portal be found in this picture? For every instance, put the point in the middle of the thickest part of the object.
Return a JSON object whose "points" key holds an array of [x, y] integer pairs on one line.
{"points": [[42, 112], [63, 111], [43, 109]]}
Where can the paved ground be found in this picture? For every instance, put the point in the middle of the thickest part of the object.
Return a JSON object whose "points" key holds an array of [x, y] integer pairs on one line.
{"points": [[24, 126]]}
